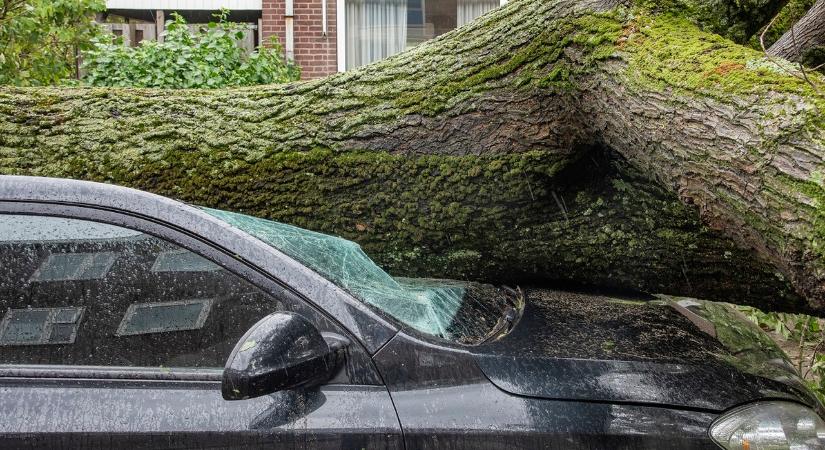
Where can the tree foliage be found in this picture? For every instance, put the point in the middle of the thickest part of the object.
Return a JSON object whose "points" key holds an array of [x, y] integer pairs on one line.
{"points": [[737, 20], [801, 337], [39, 39], [206, 58]]}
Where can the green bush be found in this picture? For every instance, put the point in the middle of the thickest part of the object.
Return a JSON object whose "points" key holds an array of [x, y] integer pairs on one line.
{"points": [[39, 39], [208, 58], [804, 334]]}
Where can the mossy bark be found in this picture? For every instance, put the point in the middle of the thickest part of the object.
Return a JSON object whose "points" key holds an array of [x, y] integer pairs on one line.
{"points": [[471, 155]]}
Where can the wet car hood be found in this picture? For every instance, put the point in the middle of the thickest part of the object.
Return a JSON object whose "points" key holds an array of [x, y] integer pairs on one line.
{"points": [[671, 351]]}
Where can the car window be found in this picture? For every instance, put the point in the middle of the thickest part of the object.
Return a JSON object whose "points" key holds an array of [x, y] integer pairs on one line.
{"points": [[86, 293], [452, 310]]}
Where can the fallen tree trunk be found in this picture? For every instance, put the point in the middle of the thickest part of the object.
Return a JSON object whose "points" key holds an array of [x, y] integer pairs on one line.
{"points": [[468, 155], [805, 36]]}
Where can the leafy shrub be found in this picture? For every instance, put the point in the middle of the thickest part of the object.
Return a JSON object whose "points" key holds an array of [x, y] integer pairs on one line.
{"points": [[208, 58], [802, 337], [39, 39]]}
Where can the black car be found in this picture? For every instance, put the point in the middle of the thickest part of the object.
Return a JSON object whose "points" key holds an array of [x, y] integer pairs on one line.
{"points": [[132, 320]]}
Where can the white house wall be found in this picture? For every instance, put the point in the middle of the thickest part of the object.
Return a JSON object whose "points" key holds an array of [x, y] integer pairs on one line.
{"points": [[209, 5]]}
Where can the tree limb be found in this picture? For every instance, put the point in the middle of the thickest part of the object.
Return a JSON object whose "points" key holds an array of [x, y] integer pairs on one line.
{"points": [[452, 156], [808, 33]]}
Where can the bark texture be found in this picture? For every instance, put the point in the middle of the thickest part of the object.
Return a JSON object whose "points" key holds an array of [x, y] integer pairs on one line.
{"points": [[804, 37], [472, 155]]}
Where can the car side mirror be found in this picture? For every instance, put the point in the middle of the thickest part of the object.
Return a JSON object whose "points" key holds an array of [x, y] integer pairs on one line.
{"points": [[282, 351]]}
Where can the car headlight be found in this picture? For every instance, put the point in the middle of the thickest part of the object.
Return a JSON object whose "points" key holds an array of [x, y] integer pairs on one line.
{"points": [[769, 425]]}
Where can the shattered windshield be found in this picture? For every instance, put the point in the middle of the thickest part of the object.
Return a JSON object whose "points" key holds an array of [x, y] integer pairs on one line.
{"points": [[463, 312]]}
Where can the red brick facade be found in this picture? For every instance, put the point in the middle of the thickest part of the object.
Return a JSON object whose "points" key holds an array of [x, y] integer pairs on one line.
{"points": [[314, 52]]}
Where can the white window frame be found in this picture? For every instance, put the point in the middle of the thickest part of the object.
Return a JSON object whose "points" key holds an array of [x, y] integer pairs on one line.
{"points": [[341, 32], [202, 5]]}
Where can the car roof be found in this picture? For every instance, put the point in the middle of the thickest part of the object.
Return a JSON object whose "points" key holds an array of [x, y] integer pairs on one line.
{"points": [[372, 329]]}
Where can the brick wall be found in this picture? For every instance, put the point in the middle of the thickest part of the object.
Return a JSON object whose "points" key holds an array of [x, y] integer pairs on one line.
{"points": [[314, 52]]}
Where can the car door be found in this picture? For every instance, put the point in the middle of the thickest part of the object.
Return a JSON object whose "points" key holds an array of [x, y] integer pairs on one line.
{"points": [[116, 335]]}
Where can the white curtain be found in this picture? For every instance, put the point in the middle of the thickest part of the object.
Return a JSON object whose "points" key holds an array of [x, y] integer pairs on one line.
{"points": [[468, 10], [375, 29]]}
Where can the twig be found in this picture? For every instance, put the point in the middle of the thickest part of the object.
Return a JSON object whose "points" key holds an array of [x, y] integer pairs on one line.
{"points": [[801, 346], [8, 7], [684, 273], [801, 66], [805, 77], [813, 357], [561, 206], [764, 32]]}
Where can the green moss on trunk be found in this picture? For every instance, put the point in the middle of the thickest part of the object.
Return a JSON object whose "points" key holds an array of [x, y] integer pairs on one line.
{"points": [[462, 157], [737, 20]]}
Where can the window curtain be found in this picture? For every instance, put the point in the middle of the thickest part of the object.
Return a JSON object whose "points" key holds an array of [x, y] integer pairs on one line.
{"points": [[468, 10], [375, 29]]}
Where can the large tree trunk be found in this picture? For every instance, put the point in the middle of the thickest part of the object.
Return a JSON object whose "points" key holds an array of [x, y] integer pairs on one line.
{"points": [[807, 35], [481, 154]]}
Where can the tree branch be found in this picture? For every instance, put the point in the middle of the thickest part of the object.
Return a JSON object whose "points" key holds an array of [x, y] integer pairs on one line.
{"points": [[806, 34]]}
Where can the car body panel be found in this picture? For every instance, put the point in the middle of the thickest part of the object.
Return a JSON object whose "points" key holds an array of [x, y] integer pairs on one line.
{"points": [[164, 414], [596, 348], [445, 401], [675, 385]]}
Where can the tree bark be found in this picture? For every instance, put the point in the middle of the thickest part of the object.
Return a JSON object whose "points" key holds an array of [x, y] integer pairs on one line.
{"points": [[472, 155], [804, 36]]}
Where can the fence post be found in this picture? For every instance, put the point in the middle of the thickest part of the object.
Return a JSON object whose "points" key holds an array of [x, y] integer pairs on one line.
{"points": [[160, 24]]}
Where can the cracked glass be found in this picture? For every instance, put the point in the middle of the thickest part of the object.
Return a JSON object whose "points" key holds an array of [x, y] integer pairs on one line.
{"points": [[453, 310]]}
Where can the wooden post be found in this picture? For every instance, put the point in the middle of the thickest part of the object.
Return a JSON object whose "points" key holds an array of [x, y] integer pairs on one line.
{"points": [[289, 44], [128, 33], [160, 24]]}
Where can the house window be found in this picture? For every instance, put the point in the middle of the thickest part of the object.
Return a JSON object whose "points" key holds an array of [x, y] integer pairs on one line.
{"points": [[377, 29]]}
